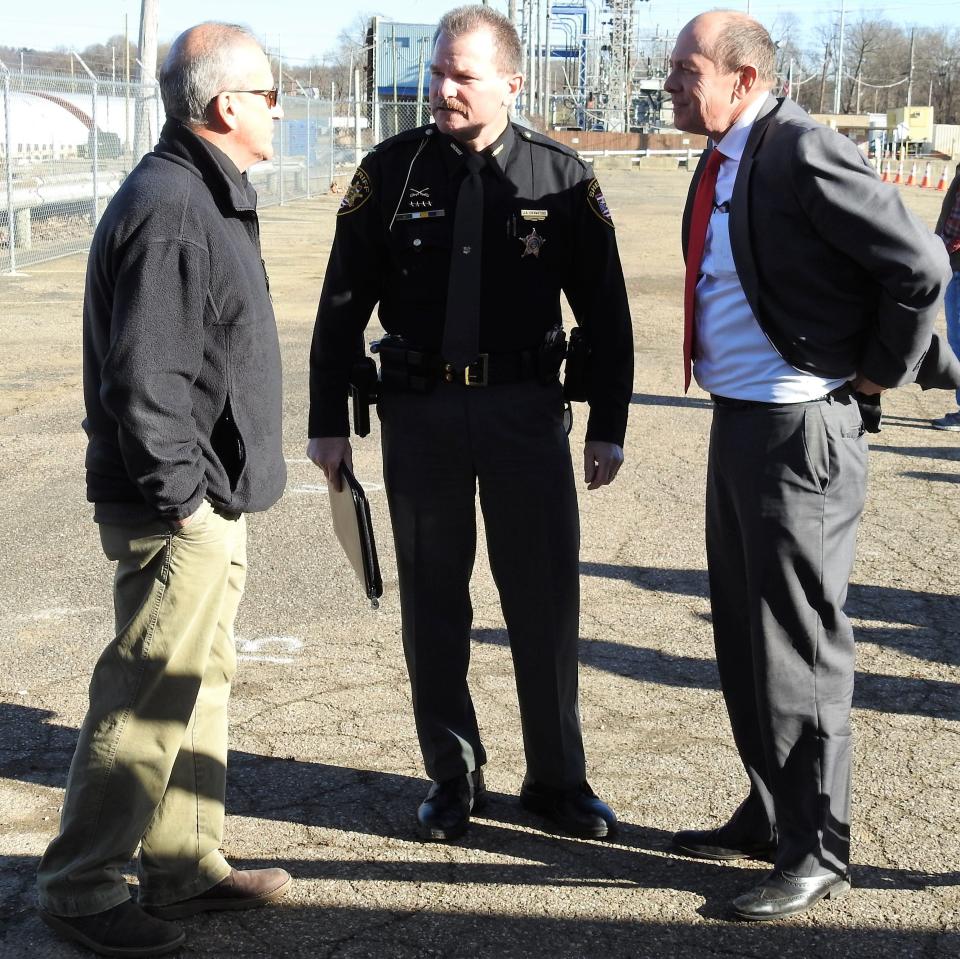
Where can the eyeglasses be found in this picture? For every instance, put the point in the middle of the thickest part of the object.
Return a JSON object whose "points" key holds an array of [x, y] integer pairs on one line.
{"points": [[271, 96]]}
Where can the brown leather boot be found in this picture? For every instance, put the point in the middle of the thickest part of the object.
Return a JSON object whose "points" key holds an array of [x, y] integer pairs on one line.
{"points": [[124, 930], [242, 889]]}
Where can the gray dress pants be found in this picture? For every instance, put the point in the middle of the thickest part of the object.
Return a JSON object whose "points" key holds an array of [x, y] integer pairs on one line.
{"points": [[508, 441], [785, 490]]}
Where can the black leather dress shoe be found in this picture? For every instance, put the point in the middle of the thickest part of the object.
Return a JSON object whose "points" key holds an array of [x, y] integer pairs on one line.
{"points": [[576, 811], [712, 844], [445, 813], [782, 895]]}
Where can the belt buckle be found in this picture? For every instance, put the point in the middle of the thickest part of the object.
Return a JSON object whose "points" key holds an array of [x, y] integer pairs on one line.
{"points": [[472, 376]]}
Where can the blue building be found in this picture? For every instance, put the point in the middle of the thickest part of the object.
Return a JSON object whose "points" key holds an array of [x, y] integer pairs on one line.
{"points": [[396, 52]]}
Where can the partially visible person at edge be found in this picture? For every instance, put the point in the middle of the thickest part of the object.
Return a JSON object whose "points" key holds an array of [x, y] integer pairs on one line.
{"points": [[466, 232], [181, 367], [948, 229], [814, 281]]}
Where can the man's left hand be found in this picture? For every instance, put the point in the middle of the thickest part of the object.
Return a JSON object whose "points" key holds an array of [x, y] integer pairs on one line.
{"points": [[601, 462], [867, 387]]}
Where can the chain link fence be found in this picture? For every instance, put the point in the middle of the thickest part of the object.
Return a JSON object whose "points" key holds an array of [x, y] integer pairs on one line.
{"points": [[67, 143]]}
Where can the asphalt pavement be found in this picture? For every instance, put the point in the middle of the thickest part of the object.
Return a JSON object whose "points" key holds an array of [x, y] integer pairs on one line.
{"points": [[325, 773]]}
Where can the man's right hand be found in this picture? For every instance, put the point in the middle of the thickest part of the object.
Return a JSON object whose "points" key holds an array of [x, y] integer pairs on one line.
{"points": [[328, 452]]}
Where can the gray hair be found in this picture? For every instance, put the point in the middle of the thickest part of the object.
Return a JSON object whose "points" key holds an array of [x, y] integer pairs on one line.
{"points": [[463, 20], [741, 41], [200, 65]]}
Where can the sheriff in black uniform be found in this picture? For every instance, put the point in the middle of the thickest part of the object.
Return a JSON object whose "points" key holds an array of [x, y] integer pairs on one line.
{"points": [[465, 232]]}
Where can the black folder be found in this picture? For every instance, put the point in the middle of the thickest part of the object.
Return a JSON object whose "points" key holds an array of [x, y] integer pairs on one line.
{"points": [[351, 523]]}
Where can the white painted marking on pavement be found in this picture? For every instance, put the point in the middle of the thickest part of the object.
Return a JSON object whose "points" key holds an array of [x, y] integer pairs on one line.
{"points": [[248, 650], [322, 487], [55, 612]]}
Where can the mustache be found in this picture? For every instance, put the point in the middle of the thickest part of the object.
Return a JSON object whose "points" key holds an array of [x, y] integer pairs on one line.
{"points": [[448, 103]]}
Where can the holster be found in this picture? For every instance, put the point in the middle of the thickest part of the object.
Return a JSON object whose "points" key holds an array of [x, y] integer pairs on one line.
{"points": [[576, 374], [363, 393], [550, 355]]}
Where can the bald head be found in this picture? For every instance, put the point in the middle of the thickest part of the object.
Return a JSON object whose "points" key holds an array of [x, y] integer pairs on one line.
{"points": [[721, 64], [732, 39], [202, 62]]}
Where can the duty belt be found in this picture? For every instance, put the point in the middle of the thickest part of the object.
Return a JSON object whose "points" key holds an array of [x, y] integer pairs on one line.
{"points": [[419, 371]]}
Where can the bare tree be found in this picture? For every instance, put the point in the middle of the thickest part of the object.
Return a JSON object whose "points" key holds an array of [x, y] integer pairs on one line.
{"points": [[862, 40]]}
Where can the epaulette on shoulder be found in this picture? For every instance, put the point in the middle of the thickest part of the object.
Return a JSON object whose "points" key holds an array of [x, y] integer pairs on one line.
{"points": [[532, 136], [406, 136]]}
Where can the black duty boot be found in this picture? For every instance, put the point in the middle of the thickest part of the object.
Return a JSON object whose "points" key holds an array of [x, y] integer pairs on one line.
{"points": [[576, 811], [445, 813]]}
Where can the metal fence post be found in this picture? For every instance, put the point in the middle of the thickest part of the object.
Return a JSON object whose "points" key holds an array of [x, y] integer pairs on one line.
{"points": [[357, 146], [96, 157], [8, 139], [308, 149], [333, 139], [282, 124]]}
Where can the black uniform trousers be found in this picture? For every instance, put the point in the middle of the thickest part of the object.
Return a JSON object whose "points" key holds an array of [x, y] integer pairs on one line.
{"points": [[509, 441], [785, 490]]}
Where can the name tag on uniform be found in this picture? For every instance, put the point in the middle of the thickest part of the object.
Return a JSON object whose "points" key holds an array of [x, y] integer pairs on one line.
{"points": [[534, 215], [421, 215]]}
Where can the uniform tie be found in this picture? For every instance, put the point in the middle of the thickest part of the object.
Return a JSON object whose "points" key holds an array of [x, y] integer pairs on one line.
{"points": [[461, 326], [699, 219]]}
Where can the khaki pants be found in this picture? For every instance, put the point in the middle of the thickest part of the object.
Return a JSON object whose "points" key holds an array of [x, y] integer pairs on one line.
{"points": [[150, 764]]}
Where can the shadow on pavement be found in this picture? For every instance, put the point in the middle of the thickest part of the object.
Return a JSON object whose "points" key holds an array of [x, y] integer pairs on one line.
{"points": [[924, 452], [889, 694], [532, 927], [382, 804], [933, 477], [907, 421], [653, 399], [924, 625]]}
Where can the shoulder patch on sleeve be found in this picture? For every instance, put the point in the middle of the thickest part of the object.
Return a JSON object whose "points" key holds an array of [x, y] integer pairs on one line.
{"points": [[597, 202], [359, 191]]}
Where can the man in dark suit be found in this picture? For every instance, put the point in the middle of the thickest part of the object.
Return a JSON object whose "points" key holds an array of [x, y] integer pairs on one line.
{"points": [[807, 280]]}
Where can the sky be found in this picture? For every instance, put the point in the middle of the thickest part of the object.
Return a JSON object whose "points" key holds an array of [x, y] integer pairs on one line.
{"points": [[304, 29]]}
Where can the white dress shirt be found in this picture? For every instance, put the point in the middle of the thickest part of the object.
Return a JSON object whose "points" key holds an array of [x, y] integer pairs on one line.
{"points": [[733, 357]]}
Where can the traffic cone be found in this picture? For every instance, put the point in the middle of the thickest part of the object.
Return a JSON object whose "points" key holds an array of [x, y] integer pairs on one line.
{"points": [[899, 177], [942, 185], [886, 172], [925, 183], [912, 179]]}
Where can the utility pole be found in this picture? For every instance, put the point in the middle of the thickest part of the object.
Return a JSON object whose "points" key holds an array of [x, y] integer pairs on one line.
{"points": [[529, 6], [142, 133], [913, 39], [538, 61], [546, 72], [126, 83], [839, 84], [823, 77]]}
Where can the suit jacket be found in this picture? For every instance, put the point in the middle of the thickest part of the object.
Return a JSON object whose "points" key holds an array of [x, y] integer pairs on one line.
{"points": [[841, 277]]}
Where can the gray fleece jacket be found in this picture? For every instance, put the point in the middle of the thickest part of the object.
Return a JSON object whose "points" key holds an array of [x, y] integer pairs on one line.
{"points": [[181, 359]]}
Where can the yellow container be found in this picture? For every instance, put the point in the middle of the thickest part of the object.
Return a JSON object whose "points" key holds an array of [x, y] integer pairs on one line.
{"points": [[915, 122]]}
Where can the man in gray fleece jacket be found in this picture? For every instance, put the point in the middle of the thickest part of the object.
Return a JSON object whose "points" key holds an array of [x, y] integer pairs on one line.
{"points": [[181, 369]]}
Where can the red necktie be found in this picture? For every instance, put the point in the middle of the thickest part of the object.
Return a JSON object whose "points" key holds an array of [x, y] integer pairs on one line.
{"points": [[699, 219]]}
